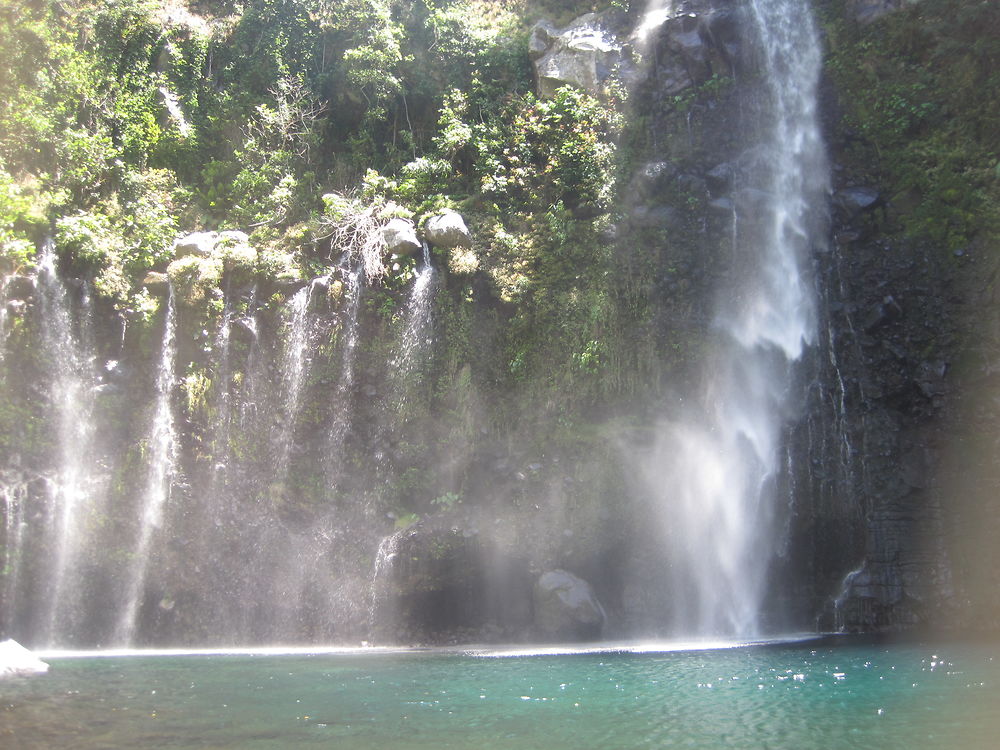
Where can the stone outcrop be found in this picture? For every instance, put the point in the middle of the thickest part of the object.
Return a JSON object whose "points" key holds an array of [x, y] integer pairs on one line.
{"points": [[587, 54], [156, 282], [196, 243], [205, 244], [566, 607], [866, 11], [688, 48], [400, 237], [447, 230]]}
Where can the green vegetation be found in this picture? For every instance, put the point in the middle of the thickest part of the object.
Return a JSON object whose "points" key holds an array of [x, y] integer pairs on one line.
{"points": [[920, 115]]}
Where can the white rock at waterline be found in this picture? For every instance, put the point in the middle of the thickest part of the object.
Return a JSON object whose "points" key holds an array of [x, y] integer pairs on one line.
{"points": [[16, 660]]}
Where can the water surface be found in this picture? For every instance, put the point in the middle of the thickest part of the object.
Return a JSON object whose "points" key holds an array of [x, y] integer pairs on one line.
{"points": [[801, 696]]}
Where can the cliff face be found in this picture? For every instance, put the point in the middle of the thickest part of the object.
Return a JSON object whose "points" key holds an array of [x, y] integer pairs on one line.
{"points": [[909, 303], [351, 443]]}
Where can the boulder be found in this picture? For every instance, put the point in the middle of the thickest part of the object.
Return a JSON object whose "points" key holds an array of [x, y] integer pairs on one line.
{"points": [[447, 230], [400, 237], [16, 660], [196, 243], [566, 607], [233, 237], [19, 288], [866, 11], [691, 46], [719, 179], [854, 200], [156, 283], [586, 54], [654, 177]]}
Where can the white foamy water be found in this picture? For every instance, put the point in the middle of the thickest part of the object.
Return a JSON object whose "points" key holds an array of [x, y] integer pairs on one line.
{"points": [[713, 469], [72, 484], [416, 336], [162, 464]]}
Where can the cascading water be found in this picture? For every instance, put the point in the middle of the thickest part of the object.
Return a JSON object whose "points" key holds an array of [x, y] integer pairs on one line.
{"points": [[14, 496], [294, 371], [4, 316], [343, 411], [161, 452], [72, 485], [388, 549], [714, 470], [418, 318]]}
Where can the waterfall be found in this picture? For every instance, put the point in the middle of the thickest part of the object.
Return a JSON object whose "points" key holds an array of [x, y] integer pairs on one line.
{"points": [[71, 486], [385, 557], [161, 457], [342, 404], [714, 469], [294, 369], [14, 496], [416, 335], [4, 316], [223, 406]]}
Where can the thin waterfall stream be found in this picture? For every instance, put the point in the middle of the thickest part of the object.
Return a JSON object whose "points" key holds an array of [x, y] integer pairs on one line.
{"points": [[416, 335], [162, 448]]}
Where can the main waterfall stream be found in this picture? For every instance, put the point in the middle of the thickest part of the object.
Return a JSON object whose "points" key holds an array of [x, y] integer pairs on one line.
{"points": [[716, 464]]}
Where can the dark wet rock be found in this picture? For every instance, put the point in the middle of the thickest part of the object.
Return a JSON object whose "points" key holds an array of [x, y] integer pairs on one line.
{"points": [[721, 206], [653, 216], [696, 43], [867, 11], [854, 200], [751, 203], [931, 378], [16, 307], [916, 467], [719, 179], [452, 580], [19, 288], [566, 607], [884, 312]]}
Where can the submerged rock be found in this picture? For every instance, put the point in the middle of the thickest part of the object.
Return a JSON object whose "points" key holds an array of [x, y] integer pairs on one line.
{"points": [[16, 660], [566, 607]]}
